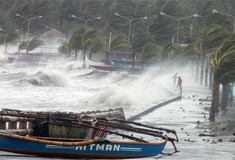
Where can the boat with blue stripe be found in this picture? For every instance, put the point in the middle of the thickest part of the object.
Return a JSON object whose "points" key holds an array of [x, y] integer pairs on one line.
{"points": [[95, 148], [108, 138]]}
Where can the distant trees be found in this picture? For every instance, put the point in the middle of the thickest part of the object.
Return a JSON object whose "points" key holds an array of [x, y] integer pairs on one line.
{"points": [[222, 64]]}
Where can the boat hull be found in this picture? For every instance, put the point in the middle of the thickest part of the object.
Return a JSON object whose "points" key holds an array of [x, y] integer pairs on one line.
{"points": [[103, 149]]}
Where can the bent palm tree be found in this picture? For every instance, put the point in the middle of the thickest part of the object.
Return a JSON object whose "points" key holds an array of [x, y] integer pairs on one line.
{"points": [[117, 42], [11, 37], [97, 44], [65, 49], [224, 70], [150, 50], [33, 44], [76, 40]]}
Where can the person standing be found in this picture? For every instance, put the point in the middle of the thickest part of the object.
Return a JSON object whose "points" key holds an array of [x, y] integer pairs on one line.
{"points": [[179, 84]]}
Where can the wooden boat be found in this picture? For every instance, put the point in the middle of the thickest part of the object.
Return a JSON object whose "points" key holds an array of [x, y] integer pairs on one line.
{"points": [[98, 147], [94, 148], [42, 123], [111, 66]]}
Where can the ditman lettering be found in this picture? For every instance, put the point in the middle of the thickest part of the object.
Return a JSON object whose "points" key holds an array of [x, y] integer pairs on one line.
{"points": [[98, 147]]}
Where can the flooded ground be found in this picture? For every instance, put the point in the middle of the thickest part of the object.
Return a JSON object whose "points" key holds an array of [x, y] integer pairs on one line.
{"points": [[66, 86]]}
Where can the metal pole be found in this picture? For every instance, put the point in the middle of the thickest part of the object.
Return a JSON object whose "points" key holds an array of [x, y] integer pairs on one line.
{"points": [[178, 23], [226, 14], [86, 20], [28, 29], [28, 20], [177, 36], [129, 33], [110, 39], [130, 21]]}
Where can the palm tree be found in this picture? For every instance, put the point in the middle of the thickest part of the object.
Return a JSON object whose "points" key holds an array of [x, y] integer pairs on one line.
{"points": [[207, 42], [65, 49], [139, 42], [173, 53], [11, 37], [33, 44], [189, 54], [87, 39], [76, 40], [22, 45], [116, 42], [224, 71], [98, 44], [82, 39], [150, 50]]}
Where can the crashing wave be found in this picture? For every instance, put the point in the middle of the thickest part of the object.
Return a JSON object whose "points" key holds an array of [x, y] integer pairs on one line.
{"points": [[41, 78]]}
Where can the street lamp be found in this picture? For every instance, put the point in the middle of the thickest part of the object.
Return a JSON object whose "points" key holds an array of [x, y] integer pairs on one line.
{"points": [[178, 22], [86, 20], [130, 21], [226, 14], [28, 19]]}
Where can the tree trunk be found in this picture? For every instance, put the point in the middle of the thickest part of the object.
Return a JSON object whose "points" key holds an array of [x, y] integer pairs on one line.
{"points": [[202, 71], [133, 60], [6, 45], [210, 79], [206, 74], [224, 100], [90, 56], [84, 58], [215, 101], [197, 68], [107, 58], [76, 54]]}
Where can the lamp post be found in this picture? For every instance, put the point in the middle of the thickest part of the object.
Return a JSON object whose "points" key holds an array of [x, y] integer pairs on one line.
{"points": [[178, 22], [130, 21], [86, 20], [226, 14], [28, 20]]}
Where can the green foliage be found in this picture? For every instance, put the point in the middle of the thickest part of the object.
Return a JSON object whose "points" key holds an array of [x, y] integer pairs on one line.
{"points": [[150, 50], [65, 48], [23, 45], [2, 38], [33, 44], [175, 52], [210, 39], [98, 44], [223, 61], [119, 42], [76, 40], [11, 37], [141, 40]]}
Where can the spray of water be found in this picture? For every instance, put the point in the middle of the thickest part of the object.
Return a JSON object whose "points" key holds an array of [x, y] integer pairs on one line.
{"points": [[130, 91], [45, 78], [3, 57]]}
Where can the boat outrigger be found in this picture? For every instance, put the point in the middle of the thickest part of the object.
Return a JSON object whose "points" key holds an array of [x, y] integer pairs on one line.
{"points": [[100, 144]]}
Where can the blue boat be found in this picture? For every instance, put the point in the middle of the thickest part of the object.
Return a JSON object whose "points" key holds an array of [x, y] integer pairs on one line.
{"points": [[90, 135], [94, 148]]}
